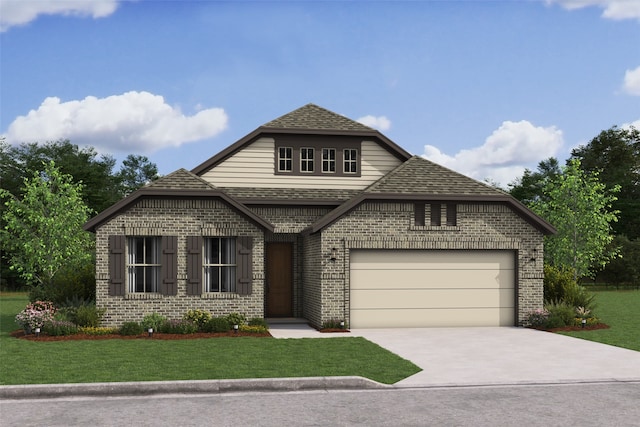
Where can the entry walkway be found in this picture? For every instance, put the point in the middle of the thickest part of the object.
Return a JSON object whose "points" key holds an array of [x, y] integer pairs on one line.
{"points": [[492, 356]]}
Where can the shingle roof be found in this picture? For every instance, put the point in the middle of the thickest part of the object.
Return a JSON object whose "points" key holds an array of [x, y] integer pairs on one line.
{"points": [[248, 194], [421, 176], [181, 179], [311, 116]]}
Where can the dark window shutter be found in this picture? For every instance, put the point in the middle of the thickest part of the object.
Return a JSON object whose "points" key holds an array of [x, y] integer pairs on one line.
{"points": [[436, 215], [116, 265], [418, 214], [194, 265], [169, 263], [244, 265], [452, 214]]}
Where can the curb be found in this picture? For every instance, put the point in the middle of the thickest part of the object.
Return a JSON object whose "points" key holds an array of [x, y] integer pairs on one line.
{"points": [[48, 391]]}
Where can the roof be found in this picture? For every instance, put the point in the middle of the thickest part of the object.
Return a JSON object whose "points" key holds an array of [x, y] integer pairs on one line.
{"points": [[178, 184], [325, 196], [311, 116]]}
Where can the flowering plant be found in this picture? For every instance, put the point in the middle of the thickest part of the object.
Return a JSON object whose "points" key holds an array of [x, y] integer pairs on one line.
{"points": [[35, 315], [538, 317]]}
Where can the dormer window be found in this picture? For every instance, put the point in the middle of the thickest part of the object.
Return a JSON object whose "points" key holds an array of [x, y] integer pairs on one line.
{"points": [[307, 159], [317, 155], [328, 160], [285, 159], [350, 161]]}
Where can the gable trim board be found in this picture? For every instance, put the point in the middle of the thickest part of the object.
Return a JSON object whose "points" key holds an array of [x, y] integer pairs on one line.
{"points": [[330, 226]]}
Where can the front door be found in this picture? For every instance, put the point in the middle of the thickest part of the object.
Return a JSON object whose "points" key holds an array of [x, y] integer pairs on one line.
{"points": [[279, 280]]}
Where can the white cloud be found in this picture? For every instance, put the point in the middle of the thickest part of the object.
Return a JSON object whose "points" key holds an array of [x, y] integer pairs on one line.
{"points": [[21, 12], [632, 82], [131, 122], [380, 122], [505, 154], [613, 9]]}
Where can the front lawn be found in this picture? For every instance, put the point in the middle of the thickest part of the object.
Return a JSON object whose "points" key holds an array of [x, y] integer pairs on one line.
{"points": [[621, 311], [29, 362]]}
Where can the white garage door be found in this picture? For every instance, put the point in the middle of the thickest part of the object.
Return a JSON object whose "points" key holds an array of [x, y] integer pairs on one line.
{"points": [[419, 288]]}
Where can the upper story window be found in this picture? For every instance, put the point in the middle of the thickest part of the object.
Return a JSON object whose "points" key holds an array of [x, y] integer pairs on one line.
{"points": [[285, 159], [219, 264], [143, 264], [350, 160], [328, 160], [307, 159]]}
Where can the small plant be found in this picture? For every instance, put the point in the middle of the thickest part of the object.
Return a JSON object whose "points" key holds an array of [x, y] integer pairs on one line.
{"points": [[334, 324], [217, 324], [538, 318], [131, 328], [258, 321], [35, 315], [89, 315], [560, 314], [253, 329], [199, 317], [153, 320], [583, 313], [57, 328], [179, 326], [236, 319], [91, 330]]}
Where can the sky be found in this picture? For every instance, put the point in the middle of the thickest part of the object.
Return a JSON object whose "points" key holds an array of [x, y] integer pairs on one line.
{"points": [[486, 88]]}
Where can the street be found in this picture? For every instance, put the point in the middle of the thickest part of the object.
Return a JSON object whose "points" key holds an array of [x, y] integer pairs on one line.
{"points": [[594, 404]]}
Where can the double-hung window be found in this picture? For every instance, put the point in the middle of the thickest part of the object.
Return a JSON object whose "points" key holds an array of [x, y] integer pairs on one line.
{"points": [[350, 160], [143, 264], [285, 159], [306, 159], [328, 160], [219, 264]]}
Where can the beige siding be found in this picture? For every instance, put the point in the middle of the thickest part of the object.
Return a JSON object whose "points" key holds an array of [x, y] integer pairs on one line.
{"points": [[253, 166], [432, 288]]}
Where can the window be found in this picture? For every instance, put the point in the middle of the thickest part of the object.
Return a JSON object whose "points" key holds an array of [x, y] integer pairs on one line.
{"points": [[436, 215], [452, 215], [350, 160], [143, 266], [418, 214], [285, 159], [306, 159], [328, 160], [219, 264]]}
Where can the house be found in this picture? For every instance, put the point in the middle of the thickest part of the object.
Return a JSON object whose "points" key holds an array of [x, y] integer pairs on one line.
{"points": [[317, 216]]}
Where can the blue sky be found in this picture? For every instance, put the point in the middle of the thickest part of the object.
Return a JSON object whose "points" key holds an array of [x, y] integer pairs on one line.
{"points": [[486, 88]]}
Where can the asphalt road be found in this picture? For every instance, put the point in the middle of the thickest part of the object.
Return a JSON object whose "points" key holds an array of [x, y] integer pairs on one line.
{"points": [[599, 404]]}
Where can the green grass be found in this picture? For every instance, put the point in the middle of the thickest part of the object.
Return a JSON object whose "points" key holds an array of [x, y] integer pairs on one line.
{"points": [[621, 311], [28, 362]]}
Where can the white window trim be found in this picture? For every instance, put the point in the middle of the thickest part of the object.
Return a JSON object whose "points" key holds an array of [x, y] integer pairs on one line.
{"points": [[156, 268], [307, 161], [206, 265], [351, 160], [329, 161], [288, 159]]}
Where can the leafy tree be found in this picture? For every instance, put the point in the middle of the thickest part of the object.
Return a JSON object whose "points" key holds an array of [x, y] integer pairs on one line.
{"points": [[615, 154], [579, 206], [529, 187], [43, 230], [135, 172], [626, 269]]}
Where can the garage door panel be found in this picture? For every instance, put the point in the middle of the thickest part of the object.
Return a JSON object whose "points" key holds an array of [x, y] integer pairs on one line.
{"points": [[419, 279], [437, 260], [432, 298], [419, 318]]}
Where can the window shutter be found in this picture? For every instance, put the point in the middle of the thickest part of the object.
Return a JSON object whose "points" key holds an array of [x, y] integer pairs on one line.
{"points": [[169, 263], [452, 214], [436, 215], [194, 265], [418, 214], [244, 265], [116, 265]]}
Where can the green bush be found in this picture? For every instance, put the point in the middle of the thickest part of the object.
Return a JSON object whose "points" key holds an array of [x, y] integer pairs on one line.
{"points": [[178, 326], [253, 329], [217, 324], [334, 324], [70, 282], [57, 328], [560, 314], [199, 317], [131, 328], [153, 320], [88, 315], [561, 286], [236, 319], [258, 321]]}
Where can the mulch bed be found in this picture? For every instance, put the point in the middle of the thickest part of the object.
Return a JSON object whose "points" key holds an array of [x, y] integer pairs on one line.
{"points": [[156, 336], [576, 328], [333, 330]]}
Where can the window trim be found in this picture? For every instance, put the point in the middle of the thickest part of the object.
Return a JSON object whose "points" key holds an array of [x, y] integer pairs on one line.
{"points": [[354, 162], [280, 158], [130, 266], [232, 285], [307, 161], [328, 162]]}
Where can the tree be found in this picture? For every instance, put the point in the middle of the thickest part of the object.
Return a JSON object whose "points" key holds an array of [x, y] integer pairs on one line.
{"points": [[579, 206], [43, 230], [615, 154], [529, 187], [135, 172]]}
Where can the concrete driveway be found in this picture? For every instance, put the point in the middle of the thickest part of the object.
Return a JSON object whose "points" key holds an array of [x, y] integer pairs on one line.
{"points": [[493, 356]]}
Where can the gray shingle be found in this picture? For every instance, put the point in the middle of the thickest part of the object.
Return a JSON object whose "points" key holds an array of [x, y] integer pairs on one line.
{"points": [[244, 193], [311, 116], [181, 179]]}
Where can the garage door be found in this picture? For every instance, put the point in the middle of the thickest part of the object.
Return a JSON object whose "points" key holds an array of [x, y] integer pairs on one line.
{"points": [[415, 288]]}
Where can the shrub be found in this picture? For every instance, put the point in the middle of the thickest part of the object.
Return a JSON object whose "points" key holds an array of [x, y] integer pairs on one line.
{"points": [[236, 319], [217, 324], [199, 317], [179, 326], [131, 328], [35, 315], [91, 330], [334, 324], [153, 320], [88, 315], [560, 314], [560, 286], [253, 329], [69, 282], [258, 321], [538, 318], [57, 328]]}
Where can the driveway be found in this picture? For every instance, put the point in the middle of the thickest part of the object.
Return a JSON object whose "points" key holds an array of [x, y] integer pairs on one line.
{"points": [[493, 356]]}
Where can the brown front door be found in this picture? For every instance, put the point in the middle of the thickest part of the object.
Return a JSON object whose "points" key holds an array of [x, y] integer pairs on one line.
{"points": [[279, 280]]}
